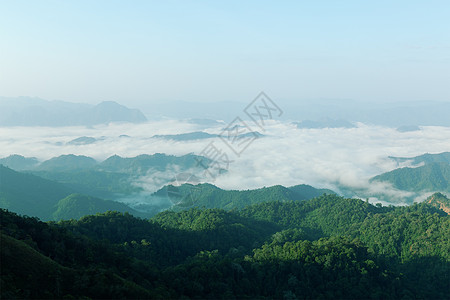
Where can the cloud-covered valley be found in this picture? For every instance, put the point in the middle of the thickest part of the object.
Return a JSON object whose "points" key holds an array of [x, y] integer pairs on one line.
{"points": [[341, 159]]}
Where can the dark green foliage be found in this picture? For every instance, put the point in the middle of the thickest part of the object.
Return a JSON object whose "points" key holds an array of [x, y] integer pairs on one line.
{"points": [[306, 192], [210, 196], [323, 216], [328, 247]]}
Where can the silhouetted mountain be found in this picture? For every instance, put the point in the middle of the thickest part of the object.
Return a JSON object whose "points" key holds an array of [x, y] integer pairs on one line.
{"points": [[83, 140], [67, 163], [394, 114], [199, 135], [24, 111], [426, 158], [19, 163], [327, 123]]}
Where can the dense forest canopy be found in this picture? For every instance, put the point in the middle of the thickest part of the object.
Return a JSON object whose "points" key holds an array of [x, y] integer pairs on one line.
{"points": [[329, 246]]}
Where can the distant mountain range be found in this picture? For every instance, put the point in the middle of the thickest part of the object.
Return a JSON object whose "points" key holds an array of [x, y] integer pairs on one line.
{"points": [[70, 192], [25, 111], [200, 135], [31, 195], [426, 158], [327, 123], [111, 179], [405, 115]]}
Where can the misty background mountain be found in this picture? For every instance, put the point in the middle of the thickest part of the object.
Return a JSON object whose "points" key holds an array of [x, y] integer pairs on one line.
{"points": [[325, 111], [312, 113], [336, 152], [27, 111]]}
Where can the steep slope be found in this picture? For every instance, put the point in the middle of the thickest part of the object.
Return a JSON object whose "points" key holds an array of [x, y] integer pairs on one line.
{"points": [[328, 247], [20, 263], [29, 194], [48, 200], [440, 201], [431, 177]]}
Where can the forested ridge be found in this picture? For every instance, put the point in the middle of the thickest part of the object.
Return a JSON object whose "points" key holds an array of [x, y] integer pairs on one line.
{"points": [[327, 247]]}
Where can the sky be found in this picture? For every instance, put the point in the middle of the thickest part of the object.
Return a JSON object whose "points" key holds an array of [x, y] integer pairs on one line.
{"points": [[136, 52]]}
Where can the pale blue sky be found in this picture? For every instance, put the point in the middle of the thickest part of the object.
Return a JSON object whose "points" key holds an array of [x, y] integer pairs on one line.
{"points": [[134, 51]]}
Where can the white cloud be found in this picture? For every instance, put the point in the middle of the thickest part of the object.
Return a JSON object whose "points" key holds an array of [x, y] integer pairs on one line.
{"points": [[328, 158]]}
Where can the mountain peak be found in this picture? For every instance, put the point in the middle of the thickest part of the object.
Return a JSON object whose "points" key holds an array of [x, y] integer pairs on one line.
{"points": [[440, 201]]}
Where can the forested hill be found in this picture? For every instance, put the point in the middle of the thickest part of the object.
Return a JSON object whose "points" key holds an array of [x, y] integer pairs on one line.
{"points": [[35, 196], [327, 247], [210, 196], [431, 177]]}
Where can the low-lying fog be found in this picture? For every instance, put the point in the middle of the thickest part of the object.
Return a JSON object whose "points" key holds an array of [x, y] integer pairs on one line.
{"points": [[286, 155]]}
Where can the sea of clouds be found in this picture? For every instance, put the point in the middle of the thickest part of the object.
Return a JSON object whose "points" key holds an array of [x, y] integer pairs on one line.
{"points": [[335, 158]]}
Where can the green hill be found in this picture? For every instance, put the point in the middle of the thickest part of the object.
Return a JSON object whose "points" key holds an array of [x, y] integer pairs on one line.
{"points": [[28, 194], [76, 206], [102, 184], [306, 192], [113, 178], [210, 196], [24, 268], [31, 195], [328, 247], [430, 178], [440, 201]]}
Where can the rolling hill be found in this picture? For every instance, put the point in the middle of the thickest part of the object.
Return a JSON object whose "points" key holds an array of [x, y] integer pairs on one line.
{"points": [[327, 247], [210, 196], [432, 177], [31, 195]]}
